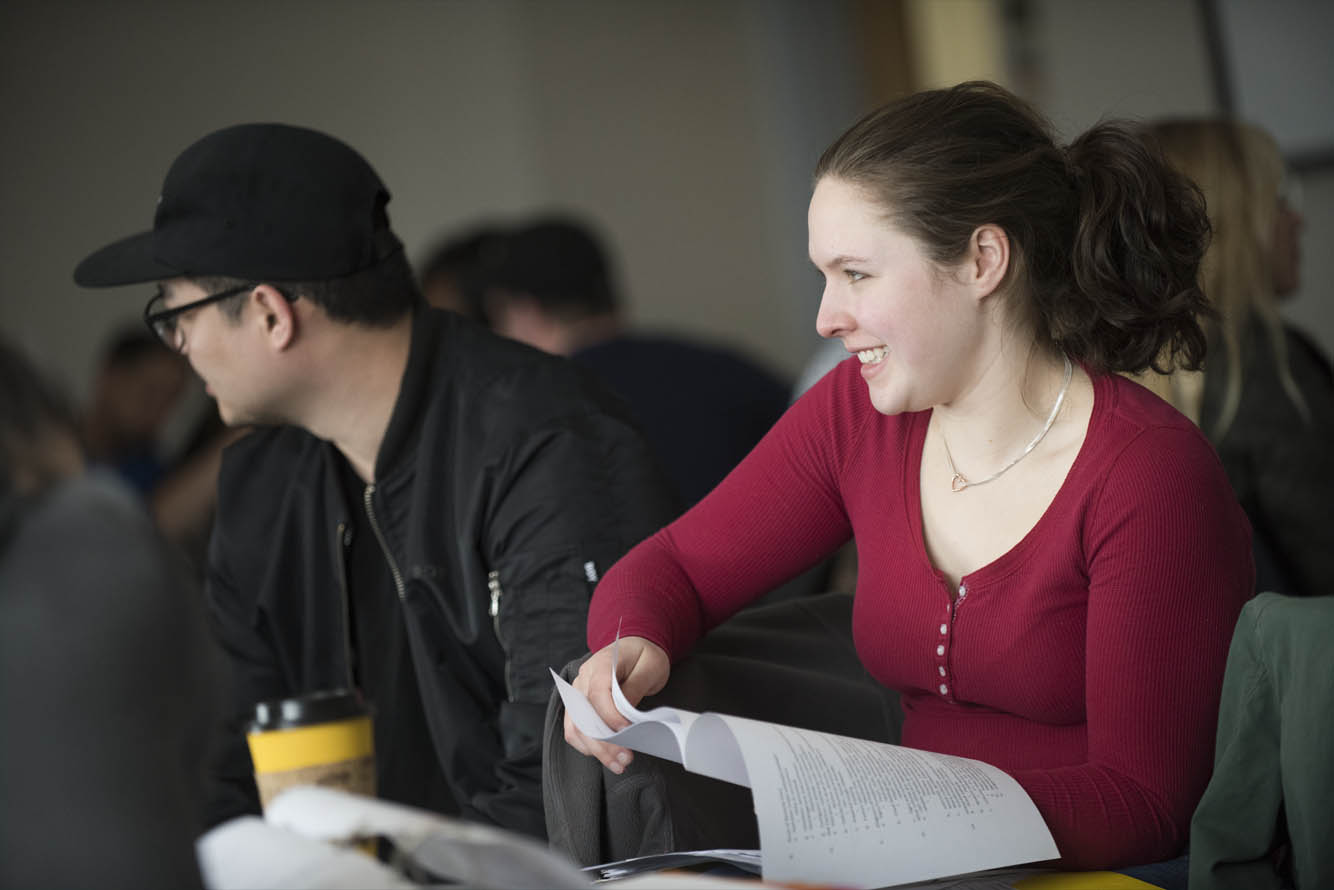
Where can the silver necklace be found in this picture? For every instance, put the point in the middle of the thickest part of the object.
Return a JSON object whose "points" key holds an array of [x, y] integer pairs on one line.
{"points": [[959, 482]]}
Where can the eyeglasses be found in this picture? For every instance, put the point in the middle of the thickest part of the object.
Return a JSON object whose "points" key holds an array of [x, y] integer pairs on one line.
{"points": [[162, 322]]}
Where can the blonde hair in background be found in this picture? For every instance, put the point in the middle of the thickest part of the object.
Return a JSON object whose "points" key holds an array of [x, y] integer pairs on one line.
{"points": [[1240, 171]]}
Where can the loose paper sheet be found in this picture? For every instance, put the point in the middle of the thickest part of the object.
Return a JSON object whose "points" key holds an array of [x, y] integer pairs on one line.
{"points": [[838, 810]]}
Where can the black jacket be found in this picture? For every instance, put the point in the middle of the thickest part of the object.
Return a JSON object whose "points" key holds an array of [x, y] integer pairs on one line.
{"points": [[506, 484], [1280, 464]]}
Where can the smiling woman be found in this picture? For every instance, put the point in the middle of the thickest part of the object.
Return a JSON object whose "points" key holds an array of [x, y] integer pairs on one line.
{"points": [[1051, 560]]}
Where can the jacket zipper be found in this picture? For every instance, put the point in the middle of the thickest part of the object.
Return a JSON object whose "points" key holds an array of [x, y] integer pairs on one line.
{"points": [[384, 546], [493, 585], [341, 542]]}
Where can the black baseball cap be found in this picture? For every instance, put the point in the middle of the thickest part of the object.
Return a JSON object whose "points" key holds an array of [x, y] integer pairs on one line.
{"points": [[259, 201]]}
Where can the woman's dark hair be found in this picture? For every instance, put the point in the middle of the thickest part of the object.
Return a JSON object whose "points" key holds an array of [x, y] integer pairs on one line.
{"points": [[1105, 237]]}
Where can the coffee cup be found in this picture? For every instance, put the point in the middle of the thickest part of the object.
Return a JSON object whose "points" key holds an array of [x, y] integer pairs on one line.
{"points": [[323, 738]]}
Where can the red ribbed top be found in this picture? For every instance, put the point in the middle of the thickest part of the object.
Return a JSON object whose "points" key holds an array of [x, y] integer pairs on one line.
{"points": [[1086, 661]]}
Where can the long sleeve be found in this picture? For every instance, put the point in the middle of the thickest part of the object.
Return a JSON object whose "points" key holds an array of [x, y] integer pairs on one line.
{"points": [[252, 676], [778, 513], [569, 500], [1169, 569], [1272, 772], [1237, 823]]}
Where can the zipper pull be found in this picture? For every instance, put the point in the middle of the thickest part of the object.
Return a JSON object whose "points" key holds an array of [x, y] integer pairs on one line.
{"points": [[493, 585]]}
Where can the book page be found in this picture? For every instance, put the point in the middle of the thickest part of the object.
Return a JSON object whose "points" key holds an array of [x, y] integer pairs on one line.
{"points": [[849, 812]]}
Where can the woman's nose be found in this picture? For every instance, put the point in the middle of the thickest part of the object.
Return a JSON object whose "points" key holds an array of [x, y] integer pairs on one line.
{"points": [[832, 320]]}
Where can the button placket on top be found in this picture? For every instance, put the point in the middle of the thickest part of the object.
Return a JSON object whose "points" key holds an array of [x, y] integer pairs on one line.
{"points": [[943, 646]]}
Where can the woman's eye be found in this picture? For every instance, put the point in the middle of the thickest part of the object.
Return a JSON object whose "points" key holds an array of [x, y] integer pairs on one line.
{"points": [[854, 275]]}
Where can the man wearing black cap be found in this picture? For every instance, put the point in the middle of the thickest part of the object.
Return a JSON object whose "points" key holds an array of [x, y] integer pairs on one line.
{"points": [[426, 508]]}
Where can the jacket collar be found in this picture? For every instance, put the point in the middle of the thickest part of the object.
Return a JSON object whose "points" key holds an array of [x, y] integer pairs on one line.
{"points": [[426, 355]]}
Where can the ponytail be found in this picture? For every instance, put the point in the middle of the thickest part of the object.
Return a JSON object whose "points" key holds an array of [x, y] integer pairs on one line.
{"points": [[1140, 233]]}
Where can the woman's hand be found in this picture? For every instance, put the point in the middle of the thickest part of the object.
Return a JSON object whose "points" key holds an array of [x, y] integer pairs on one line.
{"points": [[642, 668]]}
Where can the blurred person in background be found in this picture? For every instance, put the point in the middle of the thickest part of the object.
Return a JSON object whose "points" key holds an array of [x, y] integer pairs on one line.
{"points": [[452, 274], [139, 383], [107, 673], [1265, 397], [549, 283]]}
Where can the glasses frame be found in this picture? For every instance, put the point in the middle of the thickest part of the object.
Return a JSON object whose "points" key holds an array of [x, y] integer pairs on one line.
{"points": [[163, 322]]}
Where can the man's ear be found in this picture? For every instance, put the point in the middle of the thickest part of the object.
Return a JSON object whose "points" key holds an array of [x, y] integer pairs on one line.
{"points": [[988, 259], [276, 315]]}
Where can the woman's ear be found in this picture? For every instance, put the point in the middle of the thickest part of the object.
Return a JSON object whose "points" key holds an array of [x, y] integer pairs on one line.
{"points": [[276, 314], [988, 259]]}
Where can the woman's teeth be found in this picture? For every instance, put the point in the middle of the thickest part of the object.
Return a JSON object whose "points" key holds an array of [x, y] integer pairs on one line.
{"points": [[871, 356]]}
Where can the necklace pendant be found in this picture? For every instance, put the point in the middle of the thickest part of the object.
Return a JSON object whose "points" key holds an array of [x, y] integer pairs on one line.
{"points": [[958, 483]]}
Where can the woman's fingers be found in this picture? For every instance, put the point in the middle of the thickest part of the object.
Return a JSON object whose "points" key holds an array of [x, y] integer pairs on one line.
{"points": [[613, 757], [643, 667]]}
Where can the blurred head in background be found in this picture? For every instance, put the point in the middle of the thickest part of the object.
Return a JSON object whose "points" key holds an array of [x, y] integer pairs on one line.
{"points": [[1254, 259], [38, 442], [549, 284], [139, 382], [452, 275]]}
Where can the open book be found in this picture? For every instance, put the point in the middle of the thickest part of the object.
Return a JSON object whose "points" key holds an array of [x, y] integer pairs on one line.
{"points": [[836, 810]]}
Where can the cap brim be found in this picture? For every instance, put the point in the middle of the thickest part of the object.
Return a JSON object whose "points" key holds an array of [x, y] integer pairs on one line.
{"points": [[127, 261]]}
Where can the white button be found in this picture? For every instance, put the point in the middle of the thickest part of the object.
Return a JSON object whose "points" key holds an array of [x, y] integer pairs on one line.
{"points": [[944, 628], [944, 690], [963, 589], [942, 670], [940, 650]]}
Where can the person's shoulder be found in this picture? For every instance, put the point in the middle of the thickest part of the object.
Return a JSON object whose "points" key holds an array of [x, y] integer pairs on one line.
{"points": [[678, 349], [1124, 409], [501, 383], [267, 445], [98, 518], [1142, 445], [838, 408], [707, 373], [263, 462], [97, 502]]}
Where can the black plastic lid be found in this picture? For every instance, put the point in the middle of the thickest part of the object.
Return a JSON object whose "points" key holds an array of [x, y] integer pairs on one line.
{"points": [[307, 710]]}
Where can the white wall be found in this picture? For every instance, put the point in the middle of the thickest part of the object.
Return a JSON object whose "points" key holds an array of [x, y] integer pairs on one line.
{"points": [[663, 121], [101, 96]]}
